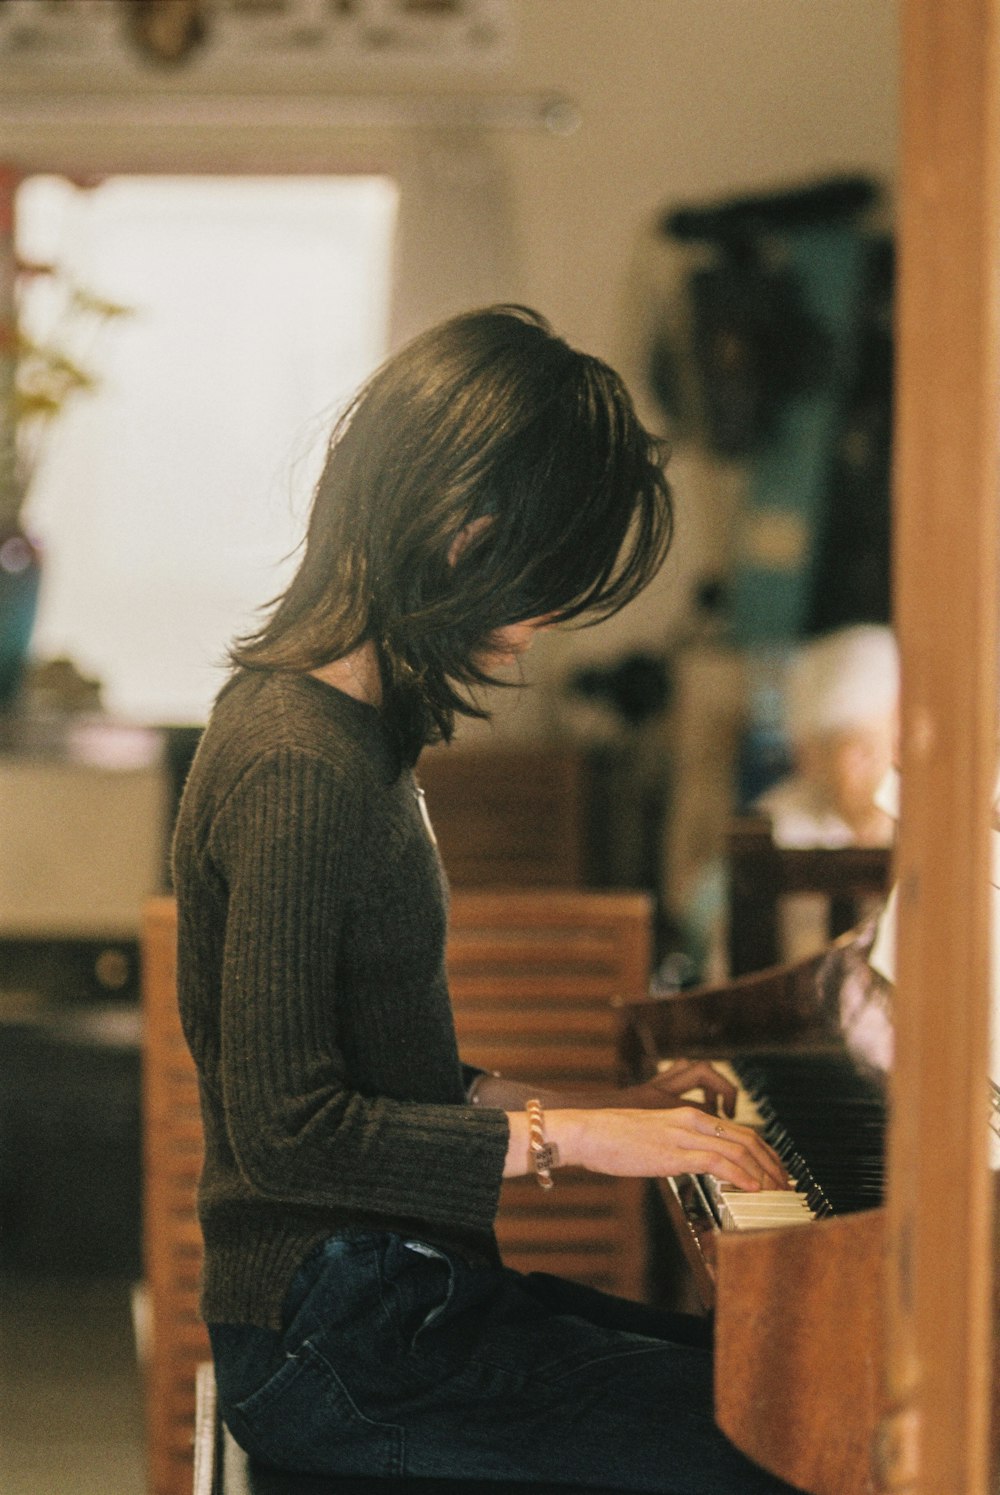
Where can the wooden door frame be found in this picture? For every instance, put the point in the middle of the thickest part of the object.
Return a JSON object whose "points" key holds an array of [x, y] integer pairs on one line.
{"points": [[936, 1436]]}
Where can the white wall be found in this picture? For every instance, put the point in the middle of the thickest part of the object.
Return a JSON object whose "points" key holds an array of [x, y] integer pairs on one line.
{"points": [[682, 100]]}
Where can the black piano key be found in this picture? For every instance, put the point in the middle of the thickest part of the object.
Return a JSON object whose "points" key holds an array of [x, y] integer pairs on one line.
{"points": [[826, 1120]]}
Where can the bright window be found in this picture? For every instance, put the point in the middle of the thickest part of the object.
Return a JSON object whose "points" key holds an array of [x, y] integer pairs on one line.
{"points": [[170, 500]]}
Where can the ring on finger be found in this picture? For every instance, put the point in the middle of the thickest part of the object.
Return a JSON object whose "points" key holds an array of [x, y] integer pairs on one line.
{"points": [[719, 1129]]}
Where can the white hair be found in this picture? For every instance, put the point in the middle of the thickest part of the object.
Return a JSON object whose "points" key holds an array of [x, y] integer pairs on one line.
{"points": [[842, 680]]}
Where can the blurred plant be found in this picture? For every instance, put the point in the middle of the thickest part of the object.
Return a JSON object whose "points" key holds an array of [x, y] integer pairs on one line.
{"points": [[58, 325]]}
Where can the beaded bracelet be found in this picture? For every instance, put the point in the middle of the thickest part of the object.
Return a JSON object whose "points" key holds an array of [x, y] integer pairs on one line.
{"points": [[543, 1155]]}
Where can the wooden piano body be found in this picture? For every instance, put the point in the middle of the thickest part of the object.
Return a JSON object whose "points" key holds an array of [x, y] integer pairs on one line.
{"points": [[797, 1311], [800, 1314]]}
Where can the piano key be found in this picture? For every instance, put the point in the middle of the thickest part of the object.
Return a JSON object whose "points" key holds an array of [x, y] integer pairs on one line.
{"points": [[752, 1220], [826, 1122], [747, 1113], [738, 1210], [823, 1115]]}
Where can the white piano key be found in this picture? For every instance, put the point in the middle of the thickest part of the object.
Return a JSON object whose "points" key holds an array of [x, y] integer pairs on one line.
{"points": [[764, 1223], [767, 1202], [765, 1209], [746, 1213]]}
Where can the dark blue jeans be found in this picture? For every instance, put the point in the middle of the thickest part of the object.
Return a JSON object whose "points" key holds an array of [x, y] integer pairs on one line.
{"points": [[398, 1359]]}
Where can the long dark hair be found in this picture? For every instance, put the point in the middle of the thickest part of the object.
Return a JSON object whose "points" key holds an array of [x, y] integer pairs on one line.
{"points": [[491, 414]]}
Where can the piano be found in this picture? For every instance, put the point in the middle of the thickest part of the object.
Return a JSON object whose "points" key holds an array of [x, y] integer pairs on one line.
{"points": [[825, 1118], [794, 1281], [798, 1302]]}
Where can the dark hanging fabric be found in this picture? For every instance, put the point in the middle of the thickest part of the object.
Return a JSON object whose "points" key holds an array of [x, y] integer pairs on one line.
{"points": [[786, 366], [755, 343], [852, 579], [637, 687], [835, 200]]}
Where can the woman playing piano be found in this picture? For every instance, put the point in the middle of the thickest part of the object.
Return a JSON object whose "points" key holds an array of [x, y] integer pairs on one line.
{"points": [[487, 482]]}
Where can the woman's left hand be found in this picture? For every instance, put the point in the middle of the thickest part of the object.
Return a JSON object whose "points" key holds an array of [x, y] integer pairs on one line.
{"points": [[664, 1091], [667, 1088]]}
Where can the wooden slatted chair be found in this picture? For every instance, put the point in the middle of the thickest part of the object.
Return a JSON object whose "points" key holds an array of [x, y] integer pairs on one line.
{"points": [[533, 976], [761, 874], [172, 1154], [508, 816]]}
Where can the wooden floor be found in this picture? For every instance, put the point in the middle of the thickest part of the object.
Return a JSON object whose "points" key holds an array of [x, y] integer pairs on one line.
{"points": [[70, 1404]]}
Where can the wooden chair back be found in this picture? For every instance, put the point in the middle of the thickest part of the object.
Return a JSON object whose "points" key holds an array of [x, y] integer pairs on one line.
{"points": [[533, 975], [172, 1156], [761, 874], [508, 816], [533, 978]]}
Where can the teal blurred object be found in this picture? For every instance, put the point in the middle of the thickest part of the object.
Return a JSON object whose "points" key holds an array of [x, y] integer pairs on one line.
{"points": [[765, 754], [789, 478], [20, 579]]}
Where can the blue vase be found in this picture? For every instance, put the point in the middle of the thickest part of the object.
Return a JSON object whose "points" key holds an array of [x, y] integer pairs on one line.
{"points": [[20, 575]]}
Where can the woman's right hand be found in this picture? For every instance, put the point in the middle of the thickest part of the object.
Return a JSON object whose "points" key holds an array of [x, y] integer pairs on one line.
{"points": [[658, 1144]]}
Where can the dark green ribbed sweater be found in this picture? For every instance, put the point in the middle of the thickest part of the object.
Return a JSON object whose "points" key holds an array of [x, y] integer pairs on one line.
{"points": [[312, 915]]}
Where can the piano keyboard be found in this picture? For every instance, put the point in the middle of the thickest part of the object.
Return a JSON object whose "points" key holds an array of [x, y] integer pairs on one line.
{"points": [[825, 1120]]}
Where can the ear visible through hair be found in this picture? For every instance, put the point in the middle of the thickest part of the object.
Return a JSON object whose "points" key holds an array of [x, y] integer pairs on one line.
{"points": [[466, 535]]}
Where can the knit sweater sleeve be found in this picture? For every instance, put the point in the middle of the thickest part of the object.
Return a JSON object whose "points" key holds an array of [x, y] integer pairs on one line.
{"points": [[288, 843]]}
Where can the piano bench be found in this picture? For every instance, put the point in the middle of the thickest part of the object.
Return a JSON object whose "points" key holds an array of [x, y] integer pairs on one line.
{"points": [[222, 1468]]}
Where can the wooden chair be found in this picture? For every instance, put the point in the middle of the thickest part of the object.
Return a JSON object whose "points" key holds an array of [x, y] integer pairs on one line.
{"points": [[172, 1155], [761, 874], [533, 974], [508, 816]]}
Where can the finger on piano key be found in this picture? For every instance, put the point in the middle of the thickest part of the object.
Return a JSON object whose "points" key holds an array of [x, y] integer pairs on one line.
{"points": [[746, 1113]]}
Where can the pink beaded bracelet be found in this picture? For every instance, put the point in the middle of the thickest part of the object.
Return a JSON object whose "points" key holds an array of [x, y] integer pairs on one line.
{"points": [[543, 1155]]}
